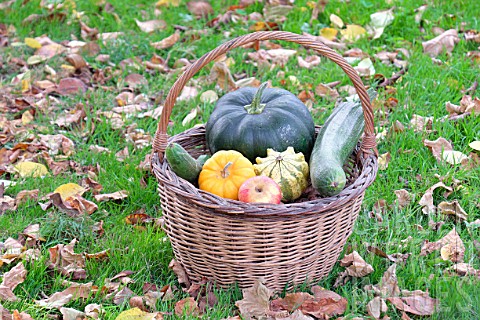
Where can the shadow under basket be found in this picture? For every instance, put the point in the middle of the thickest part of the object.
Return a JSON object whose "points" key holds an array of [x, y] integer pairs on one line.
{"points": [[229, 241]]}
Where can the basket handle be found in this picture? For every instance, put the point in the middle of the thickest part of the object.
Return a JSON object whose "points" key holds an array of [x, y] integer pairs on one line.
{"points": [[368, 141]]}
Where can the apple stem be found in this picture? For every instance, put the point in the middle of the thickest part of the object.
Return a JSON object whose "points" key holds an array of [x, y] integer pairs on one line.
{"points": [[225, 172]]}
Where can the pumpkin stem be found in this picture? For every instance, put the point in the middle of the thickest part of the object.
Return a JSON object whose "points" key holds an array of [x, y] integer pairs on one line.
{"points": [[256, 107], [225, 172]]}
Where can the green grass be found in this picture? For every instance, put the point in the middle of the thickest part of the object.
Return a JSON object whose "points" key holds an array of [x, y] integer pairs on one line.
{"points": [[423, 91]]}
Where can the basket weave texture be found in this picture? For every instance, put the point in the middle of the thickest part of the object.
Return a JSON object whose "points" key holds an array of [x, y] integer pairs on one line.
{"points": [[230, 241]]}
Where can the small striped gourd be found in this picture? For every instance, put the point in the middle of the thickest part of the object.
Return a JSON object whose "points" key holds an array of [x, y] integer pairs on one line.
{"points": [[288, 169]]}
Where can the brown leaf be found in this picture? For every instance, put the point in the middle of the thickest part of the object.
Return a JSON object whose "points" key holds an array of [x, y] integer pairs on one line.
{"points": [[71, 86], [325, 305], [122, 154], [187, 307], [167, 42], [388, 285], [137, 302], [101, 255], [395, 257], [71, 314], [383, 161], [446, 41], [438, 147], [418, 304], [135, 80], [19, 315], [420, 124], [111, 196], [376, 307], [50, 50], [66, 261], [452, 248], [355, 265], [25, 195], [57, 143], [6, 294], [151, 25], [70, 117], [200, 9], [14, 277], [309, 62], [178, 269], [122, 295], [291, 302], [325, 91], [137, 218], [452, 208], [403, 198], [427, 199], [255, 302], [465, 269], [221, 73]]}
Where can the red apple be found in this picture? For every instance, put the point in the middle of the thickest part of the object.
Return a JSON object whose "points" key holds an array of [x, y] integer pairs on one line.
{"points": [[260, 189]]}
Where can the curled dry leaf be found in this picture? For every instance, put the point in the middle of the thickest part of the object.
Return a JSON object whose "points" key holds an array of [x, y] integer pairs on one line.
{"points": [[221, 73], [376, 307], [452, 208], [420, 305], [336, 21], [167, 42], [255, 302], [427, 199], [123, 295], [465, 269], [325, 91], [178, 269], [475, 145], [394, 257], [403, 198], [388, 285], [70, 190], [14, 277], [420, 124], [379, 21], [446, 41], [438, 147], [325, 305], [71, 86], [111, 196], [355, 265], [365, 67], [383, 161], [151, 25], [309, 62], [56, 143], [187, 307], [200, 9]]}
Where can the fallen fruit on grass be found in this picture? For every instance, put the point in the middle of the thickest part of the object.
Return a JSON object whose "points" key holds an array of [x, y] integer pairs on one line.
{"points": [[260, 189]]}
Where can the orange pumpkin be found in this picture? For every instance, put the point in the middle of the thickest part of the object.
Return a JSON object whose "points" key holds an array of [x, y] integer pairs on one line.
{"points": [[224, 173]]}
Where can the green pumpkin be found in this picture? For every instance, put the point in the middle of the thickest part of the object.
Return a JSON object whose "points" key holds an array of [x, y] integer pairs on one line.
{"points": [[288, 169], [251, 120]]}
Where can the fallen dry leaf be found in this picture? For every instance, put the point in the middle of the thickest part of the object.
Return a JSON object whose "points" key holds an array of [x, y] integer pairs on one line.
{"points": [[438, 147], [365, 67], [66, 261], [336, 21], [420, 124], [111, 196], [353, 32], [123, 295], [325, 305], [452, 208], [14, 277], [355, 265], [388, 285], [167, 42], [151, 25], [180, 272], [309, 61], [404, 198], [465, 269], [376, 307], [71, 86], [255, 302], [379, 21], [200, 8], [138, 314], [383, 161], [221, 73], [446, 41], [427, 199], [454, 157], [31, 169], [475, 145], [394, 257], [418, 304], [70, 190], [56, 143], [325, 91], [187, 307], [71, 314]]}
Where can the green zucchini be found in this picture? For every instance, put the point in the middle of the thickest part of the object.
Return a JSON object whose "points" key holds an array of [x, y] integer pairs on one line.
{"points": [[183, 164], [335, 142]]}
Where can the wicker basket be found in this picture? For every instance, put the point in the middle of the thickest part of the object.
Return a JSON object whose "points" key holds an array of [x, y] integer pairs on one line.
{"points": [[230, 241]]}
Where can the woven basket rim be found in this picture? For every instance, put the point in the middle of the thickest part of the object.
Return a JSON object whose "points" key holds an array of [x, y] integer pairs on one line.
{"points": [[222, 206]]}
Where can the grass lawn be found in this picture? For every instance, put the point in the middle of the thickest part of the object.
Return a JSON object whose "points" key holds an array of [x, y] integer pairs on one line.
{"points": [[423, 91]]}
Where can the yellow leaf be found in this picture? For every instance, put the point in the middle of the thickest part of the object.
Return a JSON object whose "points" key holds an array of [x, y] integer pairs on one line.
{"points": [[31, 169], [27, 117], [69, 190], [32, 43], [167, 3], [137, 314], [353, 32], [25, 85], [329, 33], [475, 145]]}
